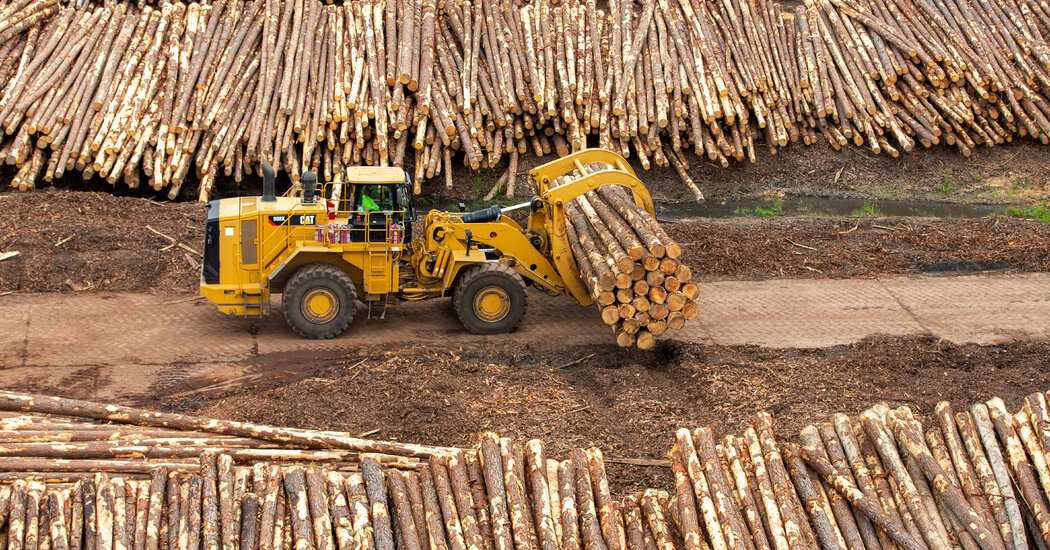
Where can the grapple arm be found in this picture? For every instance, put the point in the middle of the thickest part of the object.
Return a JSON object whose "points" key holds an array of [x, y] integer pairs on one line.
{"points": [[616, 171]]}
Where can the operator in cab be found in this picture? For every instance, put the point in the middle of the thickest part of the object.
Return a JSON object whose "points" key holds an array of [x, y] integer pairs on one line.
{"points": [[381, 201]]}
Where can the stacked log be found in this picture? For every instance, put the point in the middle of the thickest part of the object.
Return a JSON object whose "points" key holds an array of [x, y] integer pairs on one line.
{"points": [[969, 479], [499, 494], [76, 474], [973, 479], [144, 94], [71, 429], [629, 264]]}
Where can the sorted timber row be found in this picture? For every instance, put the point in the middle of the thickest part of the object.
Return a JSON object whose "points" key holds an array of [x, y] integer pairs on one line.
{"points": [[974, 479], [628, 263], [122, 91]]}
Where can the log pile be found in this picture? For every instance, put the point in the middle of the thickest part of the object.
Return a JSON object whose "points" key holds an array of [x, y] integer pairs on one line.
{"points": [[68, 481], [628, 263], [76, 475], [974, 479], [146, 93]]}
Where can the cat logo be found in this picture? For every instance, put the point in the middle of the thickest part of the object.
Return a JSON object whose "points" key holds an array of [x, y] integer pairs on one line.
{"points": [[297, 219]]}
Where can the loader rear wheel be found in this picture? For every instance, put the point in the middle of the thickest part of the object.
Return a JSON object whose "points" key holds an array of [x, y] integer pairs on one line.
{"points": [[490, 299], [319, 301]]}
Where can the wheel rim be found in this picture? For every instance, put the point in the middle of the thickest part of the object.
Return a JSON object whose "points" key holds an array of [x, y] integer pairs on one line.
{"points": [[491, 304], [319, 306]]}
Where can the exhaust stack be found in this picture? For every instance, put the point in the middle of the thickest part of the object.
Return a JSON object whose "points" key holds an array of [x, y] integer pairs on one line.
{"points": [[309, 182], [269, 186]]}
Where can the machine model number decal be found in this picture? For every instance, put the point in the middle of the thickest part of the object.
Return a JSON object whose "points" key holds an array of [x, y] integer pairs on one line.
{"points": [[296, 219]]}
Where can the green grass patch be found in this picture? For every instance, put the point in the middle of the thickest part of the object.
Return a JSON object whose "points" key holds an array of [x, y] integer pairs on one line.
{"points": [[776, 210], [946, 187], [1037, 212], [1020, 185], [869, 210]]}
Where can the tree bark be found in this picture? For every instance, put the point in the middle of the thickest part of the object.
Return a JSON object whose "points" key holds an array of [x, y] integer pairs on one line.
{"points": [[949, 492], [375, 486], [71, 407], [536, 467], [299, 506], [492, 463]]}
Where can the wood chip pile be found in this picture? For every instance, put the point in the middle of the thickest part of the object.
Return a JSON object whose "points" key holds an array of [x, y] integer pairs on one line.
{"points": [[975, 479], [628, 263], [127, 92]]}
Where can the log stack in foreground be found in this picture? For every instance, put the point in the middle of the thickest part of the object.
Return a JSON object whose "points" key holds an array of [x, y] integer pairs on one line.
{"points": [[83, 476], [144, 94], [71, 480], [971, 479], [629, 264]]}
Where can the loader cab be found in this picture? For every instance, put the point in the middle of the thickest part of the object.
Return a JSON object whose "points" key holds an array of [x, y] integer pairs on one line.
{"points": [[376, 201]]}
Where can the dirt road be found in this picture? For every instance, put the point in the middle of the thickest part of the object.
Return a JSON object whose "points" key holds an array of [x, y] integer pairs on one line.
{"points": [[129, 345]]}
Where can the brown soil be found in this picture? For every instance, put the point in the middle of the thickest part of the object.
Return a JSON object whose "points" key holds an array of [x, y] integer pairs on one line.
{"points": [[109, 245], [112, 248], [1013, 173], [757, 248], [627, 403]]}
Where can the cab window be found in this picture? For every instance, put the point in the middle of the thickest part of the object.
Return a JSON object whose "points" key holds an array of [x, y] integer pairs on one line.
{"points": [[375, 198]]}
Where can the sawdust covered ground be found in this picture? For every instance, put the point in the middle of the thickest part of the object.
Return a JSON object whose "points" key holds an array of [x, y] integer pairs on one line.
{"points": [[83, 241], [750, 248], [78, 240], [628, 403], [1013, 173]]}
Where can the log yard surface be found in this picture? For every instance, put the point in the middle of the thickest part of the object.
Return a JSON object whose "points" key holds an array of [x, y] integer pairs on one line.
{"points": [[801, 315]]}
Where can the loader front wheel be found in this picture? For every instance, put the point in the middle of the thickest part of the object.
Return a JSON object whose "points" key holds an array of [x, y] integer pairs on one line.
{"points": [[490, 299], [319, 301]]}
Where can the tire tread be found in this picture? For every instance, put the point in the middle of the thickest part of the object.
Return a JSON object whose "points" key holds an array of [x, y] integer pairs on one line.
{"points": [[312, 272], [480, 270]]}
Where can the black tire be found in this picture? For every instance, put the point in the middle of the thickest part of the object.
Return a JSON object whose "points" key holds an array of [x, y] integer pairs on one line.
{"points": [[319, 284], [490, 298]]}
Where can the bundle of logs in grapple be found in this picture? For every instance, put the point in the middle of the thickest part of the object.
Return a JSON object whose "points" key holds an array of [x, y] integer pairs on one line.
{"points": [[115, 89], [628, 263]]}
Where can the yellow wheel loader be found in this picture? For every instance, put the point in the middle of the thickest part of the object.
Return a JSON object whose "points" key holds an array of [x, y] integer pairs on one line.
{"points": [[349, 241]]}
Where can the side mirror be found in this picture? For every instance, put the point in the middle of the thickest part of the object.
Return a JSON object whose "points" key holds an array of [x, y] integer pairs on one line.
{"points": [[404, 200]]}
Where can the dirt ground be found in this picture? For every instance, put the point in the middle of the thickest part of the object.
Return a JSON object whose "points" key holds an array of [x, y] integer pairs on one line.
{"points": [[1012, 173], [629, 404], [81, 240], [757, 248], [1017, 172]]}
